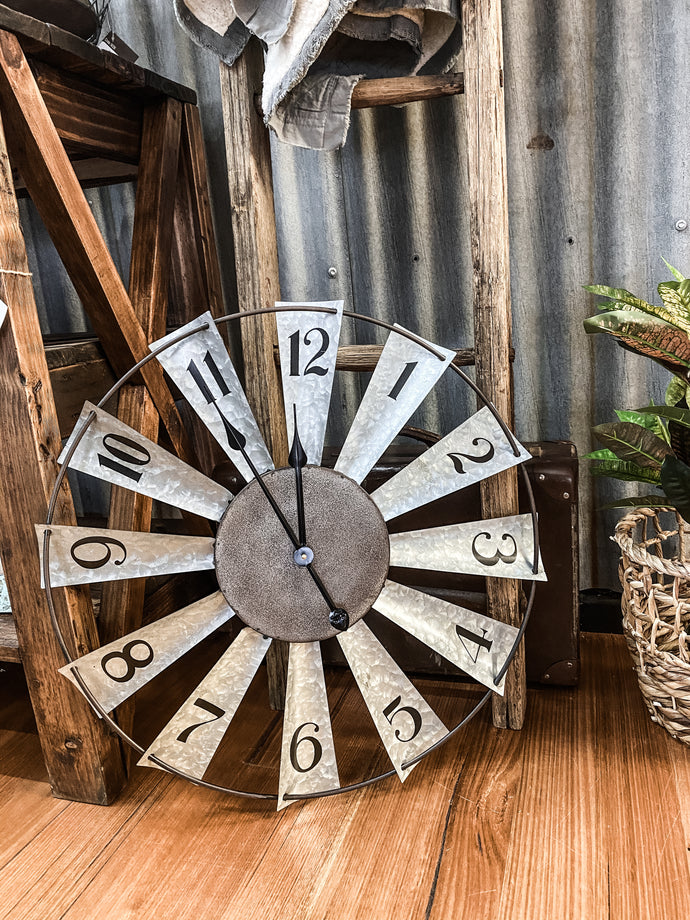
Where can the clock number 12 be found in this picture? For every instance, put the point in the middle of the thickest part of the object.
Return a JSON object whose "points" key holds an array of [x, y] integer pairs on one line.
{"points": [[312, 367]]}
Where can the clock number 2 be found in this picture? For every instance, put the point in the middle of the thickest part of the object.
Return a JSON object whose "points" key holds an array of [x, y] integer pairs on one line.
{"points": [[392, 710], [312, 367], [498, 556], [215, 711], [481, 458], [317, 750]]}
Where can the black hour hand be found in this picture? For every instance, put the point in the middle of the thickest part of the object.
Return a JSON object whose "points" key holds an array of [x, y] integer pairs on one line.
{"points": [[297, 460]]}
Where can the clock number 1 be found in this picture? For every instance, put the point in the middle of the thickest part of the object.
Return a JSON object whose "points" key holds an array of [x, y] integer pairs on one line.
{"points": [[403, 378], [312, 367]]}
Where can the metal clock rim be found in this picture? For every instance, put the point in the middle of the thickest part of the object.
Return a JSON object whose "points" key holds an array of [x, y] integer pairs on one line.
{"points": [[227, 318]]}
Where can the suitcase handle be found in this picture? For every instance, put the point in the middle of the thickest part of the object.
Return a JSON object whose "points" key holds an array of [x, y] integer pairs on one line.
{"points": [[420, 434]]}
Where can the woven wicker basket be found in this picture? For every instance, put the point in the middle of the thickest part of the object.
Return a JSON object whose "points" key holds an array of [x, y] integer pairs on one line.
{"points": [[655, 575]]}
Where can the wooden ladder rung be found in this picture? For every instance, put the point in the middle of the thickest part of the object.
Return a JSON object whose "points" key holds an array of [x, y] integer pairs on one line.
{"points": [[9, 646], [365, 357], [399, 90]]}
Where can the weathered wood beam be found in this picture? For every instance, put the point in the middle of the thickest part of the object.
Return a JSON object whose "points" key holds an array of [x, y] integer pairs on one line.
{"points": [[486, 154], [365, 357], [399, 90]]}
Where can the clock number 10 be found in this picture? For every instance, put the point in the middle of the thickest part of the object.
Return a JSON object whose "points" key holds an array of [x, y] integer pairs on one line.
{"points": [[124, 454]]}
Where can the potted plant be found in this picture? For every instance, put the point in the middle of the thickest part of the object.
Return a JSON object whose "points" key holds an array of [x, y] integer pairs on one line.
{"points": [[651, 445]]}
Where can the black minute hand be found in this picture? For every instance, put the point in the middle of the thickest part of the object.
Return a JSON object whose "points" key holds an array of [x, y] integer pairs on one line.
{"points": [[297, 459]]}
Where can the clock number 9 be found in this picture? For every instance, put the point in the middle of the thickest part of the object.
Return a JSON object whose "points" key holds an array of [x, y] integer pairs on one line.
{"points": [[312, 367], [128, 452], [317, 750], [391, 711], [498, 556], [105, 559]]}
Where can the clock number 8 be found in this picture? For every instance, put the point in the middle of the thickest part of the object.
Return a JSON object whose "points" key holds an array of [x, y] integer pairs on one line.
{"points": [[133, 664], [317, 752]]}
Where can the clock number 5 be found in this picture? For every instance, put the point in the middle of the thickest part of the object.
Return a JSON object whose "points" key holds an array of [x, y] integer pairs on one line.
{"points": [[391, 711], [312, 367], [317, 750]]}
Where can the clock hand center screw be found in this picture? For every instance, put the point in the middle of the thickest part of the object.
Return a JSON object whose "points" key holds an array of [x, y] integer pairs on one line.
{"points": [[303, 555], [339, 619]]}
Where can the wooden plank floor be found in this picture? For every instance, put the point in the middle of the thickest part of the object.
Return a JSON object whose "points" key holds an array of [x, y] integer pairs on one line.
{"points": [[585, 814]]}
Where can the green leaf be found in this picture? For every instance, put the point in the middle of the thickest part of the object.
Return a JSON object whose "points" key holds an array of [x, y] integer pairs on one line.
{"points": [[676, 391], [676, 301], [640, 501], [674, 271], [627, 472], [646, 420], [625, 301], [646, 335], [633, 443], [604, 454], [673, 413], [675, 479]]}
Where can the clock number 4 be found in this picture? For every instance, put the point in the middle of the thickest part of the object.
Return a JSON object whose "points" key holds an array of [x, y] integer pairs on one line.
{"points": [[481, 642], [316, 752], [393, 709], [215, 711], [312, 367]]}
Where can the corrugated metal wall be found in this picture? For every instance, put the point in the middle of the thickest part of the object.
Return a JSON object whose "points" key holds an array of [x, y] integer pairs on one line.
{"points": [[598, 141]]}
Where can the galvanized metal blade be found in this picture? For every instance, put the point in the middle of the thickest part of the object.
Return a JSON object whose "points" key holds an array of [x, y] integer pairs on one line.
{"points": [[475, 643], [498, 547], [307, 759], [191, 738], [116, 453], [82, 555], [202, 370], [475, 450], [405, 373], [403, 718], [308, 345], [117, 670]]}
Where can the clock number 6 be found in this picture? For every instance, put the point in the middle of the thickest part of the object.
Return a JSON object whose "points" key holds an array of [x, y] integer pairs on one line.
{"points": [[317, 750], [312, 367], [391, 711]]}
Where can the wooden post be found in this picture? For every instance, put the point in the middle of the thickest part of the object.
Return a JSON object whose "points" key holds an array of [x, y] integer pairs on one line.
{"points": [[256, 262], [486, 157], [122, 602], [82, 758]]}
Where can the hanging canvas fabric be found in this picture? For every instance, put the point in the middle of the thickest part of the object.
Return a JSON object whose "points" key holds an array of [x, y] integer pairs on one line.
{"points": [[316, 51]]}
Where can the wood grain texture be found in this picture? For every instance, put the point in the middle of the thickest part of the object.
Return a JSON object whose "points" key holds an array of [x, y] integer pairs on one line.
{"points": [[582, 814], [38, 152], [365, 357], [82, 759], [256, 264], [399, 90], [487, 184], [9, 644]]}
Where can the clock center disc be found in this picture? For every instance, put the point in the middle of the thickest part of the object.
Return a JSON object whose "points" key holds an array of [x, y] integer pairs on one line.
{"points": [[255, 564]]}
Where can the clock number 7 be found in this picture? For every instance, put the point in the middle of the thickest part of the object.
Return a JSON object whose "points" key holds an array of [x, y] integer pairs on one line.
{"points": [[215, 711]]}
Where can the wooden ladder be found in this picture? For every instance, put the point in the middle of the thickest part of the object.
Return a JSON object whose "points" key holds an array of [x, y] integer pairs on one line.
{"points": [[72, 114], [256, 256]]}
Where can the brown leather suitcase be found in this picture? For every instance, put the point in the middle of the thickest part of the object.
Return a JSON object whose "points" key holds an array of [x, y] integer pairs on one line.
{"points": [[552, 637]]}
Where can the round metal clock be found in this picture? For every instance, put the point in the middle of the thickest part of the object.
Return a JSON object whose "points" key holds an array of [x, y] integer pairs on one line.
{"points": [[300, 554]]}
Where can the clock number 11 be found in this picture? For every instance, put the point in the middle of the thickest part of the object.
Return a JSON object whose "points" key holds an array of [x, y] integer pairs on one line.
{"points": [[236, 439]]}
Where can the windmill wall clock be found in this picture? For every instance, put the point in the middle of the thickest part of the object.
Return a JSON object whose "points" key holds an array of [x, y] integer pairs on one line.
{"points": [[300, 554]]}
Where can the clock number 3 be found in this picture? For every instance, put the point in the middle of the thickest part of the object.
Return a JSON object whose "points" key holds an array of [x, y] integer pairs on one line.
{"points": [[498, 556], [312, 367], [317, 750], [392, 710]]}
